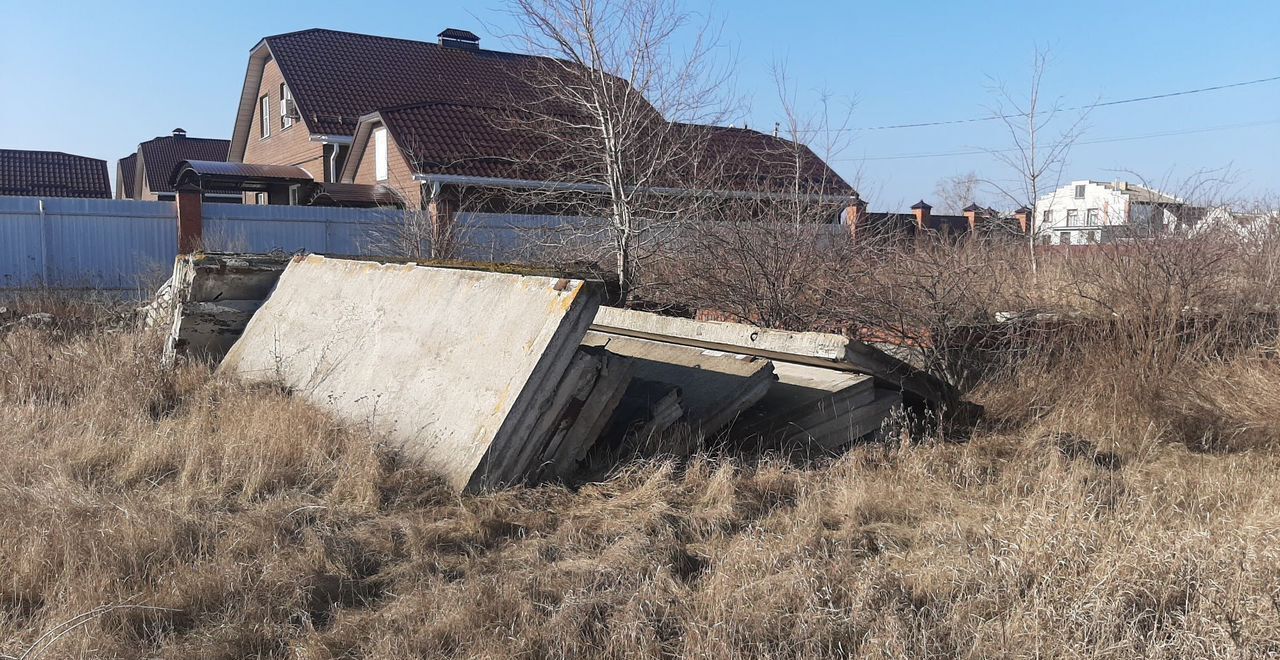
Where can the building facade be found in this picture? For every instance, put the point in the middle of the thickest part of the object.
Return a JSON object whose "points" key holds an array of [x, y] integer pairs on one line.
{"points": [[1085, 212]]}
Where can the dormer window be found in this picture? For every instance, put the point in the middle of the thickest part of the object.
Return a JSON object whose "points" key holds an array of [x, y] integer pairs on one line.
{"points": [[265, 105], [1079, 192], [287, 109]]}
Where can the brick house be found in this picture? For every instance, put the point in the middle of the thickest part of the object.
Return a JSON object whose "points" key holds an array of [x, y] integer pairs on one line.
{"points": [[418, 118], [145, 174], [52, 174]]}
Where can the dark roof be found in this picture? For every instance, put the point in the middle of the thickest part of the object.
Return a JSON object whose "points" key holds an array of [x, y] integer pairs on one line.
{"points": [[355, 195], [921, 205], [52, 174], [125, 169], [337, 77], [221, 175], [160, 156], [469, 140]]}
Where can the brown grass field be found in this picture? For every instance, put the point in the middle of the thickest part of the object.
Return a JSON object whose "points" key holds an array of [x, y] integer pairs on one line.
{"points": [[1122, 499]]}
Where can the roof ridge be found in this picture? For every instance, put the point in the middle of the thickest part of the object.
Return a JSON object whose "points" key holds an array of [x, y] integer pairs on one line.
{"points": [[49, 151], [402, 39]]}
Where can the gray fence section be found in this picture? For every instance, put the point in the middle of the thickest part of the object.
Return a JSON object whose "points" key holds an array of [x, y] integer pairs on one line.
{"points": [[129, 246], [84, 243]]}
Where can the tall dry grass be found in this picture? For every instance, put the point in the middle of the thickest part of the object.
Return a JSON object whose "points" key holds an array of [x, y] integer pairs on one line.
{"points": [[176, 514]]}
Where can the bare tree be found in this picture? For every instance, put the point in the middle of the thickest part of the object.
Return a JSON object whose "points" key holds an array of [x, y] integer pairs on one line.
{"points": [[770, 254], [1041, 133], [625, 84], [957, 191]]}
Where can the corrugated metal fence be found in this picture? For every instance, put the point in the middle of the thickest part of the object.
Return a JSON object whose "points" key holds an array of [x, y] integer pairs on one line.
{"points": [[129, 246]]}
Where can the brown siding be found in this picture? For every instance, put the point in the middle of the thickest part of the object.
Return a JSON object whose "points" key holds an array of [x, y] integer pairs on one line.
{"points": [[285, 146], [399, 174]]}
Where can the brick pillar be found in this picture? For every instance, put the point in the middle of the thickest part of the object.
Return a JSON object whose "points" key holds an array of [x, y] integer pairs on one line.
{"points": [[855, 216], [971, 214], [921, 210], [190, 219], [1023, 215]]}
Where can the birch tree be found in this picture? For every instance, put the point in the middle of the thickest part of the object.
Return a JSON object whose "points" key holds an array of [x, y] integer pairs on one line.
{"points": [[1040, 134], [625, 85]]}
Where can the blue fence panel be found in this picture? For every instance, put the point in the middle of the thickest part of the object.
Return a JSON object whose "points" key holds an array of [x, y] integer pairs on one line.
{"points": [[109, 244], [22, 253]]}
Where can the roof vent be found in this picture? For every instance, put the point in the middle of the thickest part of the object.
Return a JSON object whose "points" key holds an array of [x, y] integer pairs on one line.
{"points": [[455, 38], [178, 132]]}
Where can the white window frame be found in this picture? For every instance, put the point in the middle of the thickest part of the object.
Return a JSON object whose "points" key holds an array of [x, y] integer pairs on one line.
{"points": [[264, 106], [286, 97], [380, 165], [1093, 217], [1073, 217], [1080, 191]]}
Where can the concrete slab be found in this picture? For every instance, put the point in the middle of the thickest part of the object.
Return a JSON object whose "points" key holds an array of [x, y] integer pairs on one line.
{"points": [[569, 446], [454, 366], [814, 348], [715, 386], [804, 396]]}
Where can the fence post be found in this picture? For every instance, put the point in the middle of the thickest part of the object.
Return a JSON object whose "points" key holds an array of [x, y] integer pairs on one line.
{"points": [[190, 219]]}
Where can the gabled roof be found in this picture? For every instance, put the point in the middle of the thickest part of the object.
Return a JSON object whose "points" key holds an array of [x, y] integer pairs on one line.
{"points": [[478, 141], [125, 170], [52, 174], [160, 156], [337, 77]]}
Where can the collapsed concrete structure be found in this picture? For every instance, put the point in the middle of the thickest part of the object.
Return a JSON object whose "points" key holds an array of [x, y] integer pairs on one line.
{"points": [[495, 378]]}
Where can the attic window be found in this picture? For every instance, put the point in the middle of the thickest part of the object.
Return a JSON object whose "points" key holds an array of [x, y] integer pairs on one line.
{"points": [[1079, 192], [287, 109], [265, 104], [380, 154]]}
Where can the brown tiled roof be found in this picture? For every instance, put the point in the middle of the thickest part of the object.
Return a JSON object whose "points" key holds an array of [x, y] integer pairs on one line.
{"points": [[125, 169], [160, 156], [337, 77], [447, 138], [52, 174]]}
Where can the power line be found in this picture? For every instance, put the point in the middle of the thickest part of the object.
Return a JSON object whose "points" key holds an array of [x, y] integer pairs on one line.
{"points": [[1136, 99], [1124, 138]]}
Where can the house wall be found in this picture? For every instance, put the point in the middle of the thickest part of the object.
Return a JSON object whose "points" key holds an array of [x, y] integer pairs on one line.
{"points": [[285, 146], [399, 174], [1112, 206]]}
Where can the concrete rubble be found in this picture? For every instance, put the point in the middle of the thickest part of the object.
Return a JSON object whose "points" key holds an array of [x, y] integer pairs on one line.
{"points": [[494, 378]]}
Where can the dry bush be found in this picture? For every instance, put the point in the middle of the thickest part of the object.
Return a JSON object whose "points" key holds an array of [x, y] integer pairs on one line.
{"points": [[176, 514]]}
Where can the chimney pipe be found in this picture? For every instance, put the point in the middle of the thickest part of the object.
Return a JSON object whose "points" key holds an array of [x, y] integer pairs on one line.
{"points": [[178, 132]]}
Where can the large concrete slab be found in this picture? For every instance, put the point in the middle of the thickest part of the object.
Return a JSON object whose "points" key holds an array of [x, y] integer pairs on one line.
{"points": [[454, 366], [814, 348], [805, 396], [715, 386]]}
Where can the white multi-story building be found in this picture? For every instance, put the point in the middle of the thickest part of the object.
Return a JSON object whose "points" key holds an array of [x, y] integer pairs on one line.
{"points": [[1095, 212]]}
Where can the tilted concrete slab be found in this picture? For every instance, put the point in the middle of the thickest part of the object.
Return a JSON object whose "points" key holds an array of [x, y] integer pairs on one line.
{"points": [[209, 300], [569, 444], [715, 386], [804, 396], [851, 425], [815, 348], [454, 366]]}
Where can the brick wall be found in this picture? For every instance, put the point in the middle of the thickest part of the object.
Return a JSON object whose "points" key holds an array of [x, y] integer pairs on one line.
{"points": [[399, 174], [285, 146]]}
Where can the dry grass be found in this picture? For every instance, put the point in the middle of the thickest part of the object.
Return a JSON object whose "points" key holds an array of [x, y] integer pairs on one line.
{"points": [[175, 514]]}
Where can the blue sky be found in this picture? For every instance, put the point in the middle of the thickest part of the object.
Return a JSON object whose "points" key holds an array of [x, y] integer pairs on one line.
{"points": [[96, 78]]}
